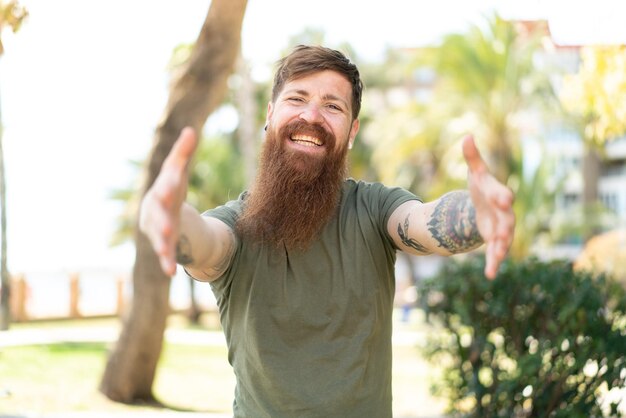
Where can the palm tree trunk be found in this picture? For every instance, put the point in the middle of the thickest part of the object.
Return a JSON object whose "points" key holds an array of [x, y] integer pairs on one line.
{"points": [[11, 16], [501, 158], [248, 135], [194, 312], [5, 312], [591, 165]]}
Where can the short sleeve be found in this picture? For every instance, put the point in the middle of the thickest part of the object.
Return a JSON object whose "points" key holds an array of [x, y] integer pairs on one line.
{"points": [[229, 212]]}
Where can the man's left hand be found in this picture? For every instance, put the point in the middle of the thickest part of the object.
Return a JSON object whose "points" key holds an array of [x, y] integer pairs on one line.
{"points": [[493, 202]]}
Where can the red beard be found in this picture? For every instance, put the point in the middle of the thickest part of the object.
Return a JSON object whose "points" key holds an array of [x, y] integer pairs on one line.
{"points": [[295, 193]]}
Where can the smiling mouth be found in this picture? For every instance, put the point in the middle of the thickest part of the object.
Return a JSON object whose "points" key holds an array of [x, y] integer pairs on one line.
{"points": [[306, 140]]}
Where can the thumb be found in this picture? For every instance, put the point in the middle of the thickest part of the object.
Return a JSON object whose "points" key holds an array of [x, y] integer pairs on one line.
{"points": [[472, 156], [183, 148]]}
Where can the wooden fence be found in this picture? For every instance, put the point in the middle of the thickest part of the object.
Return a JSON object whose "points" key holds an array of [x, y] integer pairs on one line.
{"points": [[22, 309], [89, 294]]}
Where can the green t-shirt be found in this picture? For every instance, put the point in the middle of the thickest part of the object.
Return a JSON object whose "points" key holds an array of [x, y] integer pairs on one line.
{"points": [[309, 333]]}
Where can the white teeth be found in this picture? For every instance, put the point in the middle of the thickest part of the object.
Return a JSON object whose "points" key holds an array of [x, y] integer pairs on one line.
{"points": [[306, 144], [306, 140]]}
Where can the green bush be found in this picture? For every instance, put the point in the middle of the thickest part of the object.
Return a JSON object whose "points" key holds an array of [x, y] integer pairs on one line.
{"points": [[541, 340]]}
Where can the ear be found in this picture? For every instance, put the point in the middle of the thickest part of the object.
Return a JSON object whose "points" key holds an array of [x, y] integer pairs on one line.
{"points": [[354, 129], [270, 111]]}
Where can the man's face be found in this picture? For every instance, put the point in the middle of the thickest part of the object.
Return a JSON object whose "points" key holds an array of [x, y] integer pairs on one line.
{"points": [[314, 115], [302, 165]]}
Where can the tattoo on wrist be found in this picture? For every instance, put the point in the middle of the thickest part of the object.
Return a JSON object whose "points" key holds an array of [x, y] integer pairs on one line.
{"points": [[403, 231], [183, 251], [453, 223]]}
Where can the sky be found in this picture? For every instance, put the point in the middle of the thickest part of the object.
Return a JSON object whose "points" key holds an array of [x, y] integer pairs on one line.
{"points": [[83, 84]]}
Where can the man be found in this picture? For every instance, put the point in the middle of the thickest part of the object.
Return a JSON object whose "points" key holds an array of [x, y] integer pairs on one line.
{"points": [[302, 265]]}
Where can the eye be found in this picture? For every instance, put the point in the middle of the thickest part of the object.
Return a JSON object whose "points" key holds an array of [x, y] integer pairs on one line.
{"points": [[295, 99], [334, 107]]}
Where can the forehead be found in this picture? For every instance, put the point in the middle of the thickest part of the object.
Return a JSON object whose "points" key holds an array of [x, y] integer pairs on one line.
{"points": [[324, 83]]}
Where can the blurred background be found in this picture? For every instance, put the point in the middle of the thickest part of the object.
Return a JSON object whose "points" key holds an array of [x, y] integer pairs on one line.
{"points": [[84, 85]]}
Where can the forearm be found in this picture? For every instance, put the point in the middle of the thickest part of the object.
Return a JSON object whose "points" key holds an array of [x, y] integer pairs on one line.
{"points": [[445, 226], [204, 246]]}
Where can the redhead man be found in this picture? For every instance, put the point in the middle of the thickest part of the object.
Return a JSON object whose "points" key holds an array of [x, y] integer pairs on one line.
{"points": [[302, 264]]}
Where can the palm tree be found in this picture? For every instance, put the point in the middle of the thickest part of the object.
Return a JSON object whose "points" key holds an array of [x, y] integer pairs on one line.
{"points": [[11, 15], [488, 77], [594, 98], [480, 82], [196, 92]]}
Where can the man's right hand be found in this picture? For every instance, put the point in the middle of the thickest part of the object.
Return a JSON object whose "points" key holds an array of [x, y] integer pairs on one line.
{"points": [[159, 215]]}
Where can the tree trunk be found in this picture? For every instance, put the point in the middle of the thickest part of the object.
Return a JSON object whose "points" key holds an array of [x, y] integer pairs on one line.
{"points": [[591, 165], [5, 293], [591, 175], [194, 94], [500, 157], [248, 134], [194, 312]]}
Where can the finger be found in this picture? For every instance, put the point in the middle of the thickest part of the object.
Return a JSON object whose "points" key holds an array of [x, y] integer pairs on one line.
{"points": [[167, 255], [492, 261], [186, 142], [166, 187], [495, 193], [506, 228], [497, 250], [504, 197], [164, 248], [161, 247], [163, 223], [157, 222], [489, 262], [472, 156], [168, 265], [183, 148]]}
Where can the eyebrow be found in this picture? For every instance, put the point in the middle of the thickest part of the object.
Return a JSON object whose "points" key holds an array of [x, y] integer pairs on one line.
{"points": [[329, 96]]}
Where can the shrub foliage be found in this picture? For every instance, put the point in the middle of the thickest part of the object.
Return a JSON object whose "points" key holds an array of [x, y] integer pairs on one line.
{"points": [[541, 340]]}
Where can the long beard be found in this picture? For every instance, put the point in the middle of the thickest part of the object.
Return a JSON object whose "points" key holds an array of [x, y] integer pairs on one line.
{"points": [[294, 194]]}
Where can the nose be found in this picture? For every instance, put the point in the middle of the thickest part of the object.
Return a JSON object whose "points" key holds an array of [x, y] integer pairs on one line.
{"points": [[312, 114]]}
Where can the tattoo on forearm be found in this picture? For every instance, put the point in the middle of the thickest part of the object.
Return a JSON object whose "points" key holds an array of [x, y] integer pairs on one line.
{"points": [[403, 231], [183, 251], [453, 223]]}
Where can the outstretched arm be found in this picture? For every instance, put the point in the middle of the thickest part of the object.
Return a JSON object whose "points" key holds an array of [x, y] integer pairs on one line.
{"points": [[460, 221], [176, 230]]}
